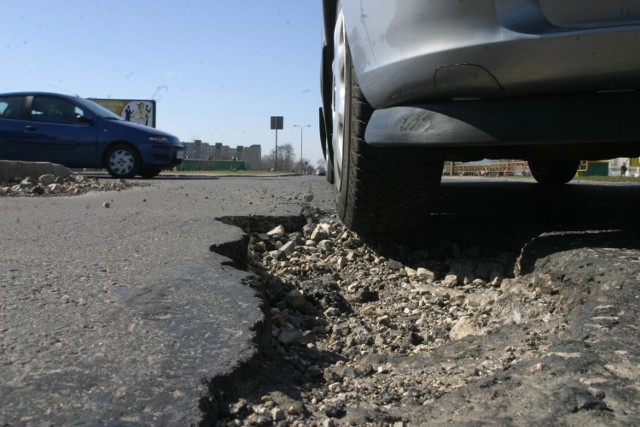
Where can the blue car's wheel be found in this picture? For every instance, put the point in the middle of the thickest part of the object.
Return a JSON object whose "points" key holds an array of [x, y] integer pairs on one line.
{"points": [[122, 161]]}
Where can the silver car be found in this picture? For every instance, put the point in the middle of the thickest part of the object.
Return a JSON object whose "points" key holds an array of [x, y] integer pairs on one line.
{"points": [[409, 84]]}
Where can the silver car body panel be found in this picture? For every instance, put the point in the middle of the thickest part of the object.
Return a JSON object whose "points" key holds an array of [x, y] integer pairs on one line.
{"points": [[414, 51], [606, 118]]}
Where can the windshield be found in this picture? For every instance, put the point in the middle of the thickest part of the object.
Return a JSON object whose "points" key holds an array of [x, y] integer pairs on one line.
{"points": [[98, 109]]}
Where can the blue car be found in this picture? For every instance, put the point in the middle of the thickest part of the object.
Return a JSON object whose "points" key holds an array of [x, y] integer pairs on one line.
{"points": [[79, 133]]}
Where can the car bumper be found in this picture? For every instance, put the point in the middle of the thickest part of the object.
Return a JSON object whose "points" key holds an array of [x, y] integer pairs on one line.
{"points": [[163, 156], [410, 51], [586, 118]]}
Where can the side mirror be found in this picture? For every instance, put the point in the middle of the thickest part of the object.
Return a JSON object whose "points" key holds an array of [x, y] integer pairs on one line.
{"points": [[85, 119]]}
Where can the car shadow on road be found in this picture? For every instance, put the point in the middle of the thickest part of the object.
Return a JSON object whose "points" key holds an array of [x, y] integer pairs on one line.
{"points": [[529, 220], [161, 177]]}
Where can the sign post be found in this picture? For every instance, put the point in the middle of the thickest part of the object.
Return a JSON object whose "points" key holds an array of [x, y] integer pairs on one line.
{"points": [[301, 129], [277, 123]]}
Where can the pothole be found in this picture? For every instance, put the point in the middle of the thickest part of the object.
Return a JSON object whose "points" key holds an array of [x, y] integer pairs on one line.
{"points": [[363, 333]]}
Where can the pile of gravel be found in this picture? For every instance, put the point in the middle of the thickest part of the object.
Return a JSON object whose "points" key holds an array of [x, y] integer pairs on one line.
{"points": [[356, 334], [51, 185]]}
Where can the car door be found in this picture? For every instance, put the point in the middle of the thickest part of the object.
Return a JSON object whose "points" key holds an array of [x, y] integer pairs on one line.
{"points": [[12, 125], [57, 131]]}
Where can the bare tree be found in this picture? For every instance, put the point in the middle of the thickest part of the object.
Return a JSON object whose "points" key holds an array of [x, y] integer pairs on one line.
{"points": [[286, 158]]}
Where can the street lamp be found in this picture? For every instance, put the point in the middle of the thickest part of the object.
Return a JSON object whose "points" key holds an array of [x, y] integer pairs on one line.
{"points": [[301, 129]]}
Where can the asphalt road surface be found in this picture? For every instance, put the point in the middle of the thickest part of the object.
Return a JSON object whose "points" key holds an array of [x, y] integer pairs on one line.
{"points": [[113, 308], [123, 315]]}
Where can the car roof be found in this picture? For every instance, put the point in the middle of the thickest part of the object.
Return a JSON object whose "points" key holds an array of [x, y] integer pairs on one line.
{"points": [[60, 95]]}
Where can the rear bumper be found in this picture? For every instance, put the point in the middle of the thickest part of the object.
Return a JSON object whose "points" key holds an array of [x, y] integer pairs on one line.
{"points": [[590, 118]]}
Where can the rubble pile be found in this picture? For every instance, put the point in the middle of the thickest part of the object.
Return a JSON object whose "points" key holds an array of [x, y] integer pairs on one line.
{"points": [[344, 317], [51, 185]]}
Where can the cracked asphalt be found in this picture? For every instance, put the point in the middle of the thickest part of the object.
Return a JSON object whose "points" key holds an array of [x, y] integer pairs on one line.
{"points": [[122, 315]]}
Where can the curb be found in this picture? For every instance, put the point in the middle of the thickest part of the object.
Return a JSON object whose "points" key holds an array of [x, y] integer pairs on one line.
{"points": [[14, 169]]}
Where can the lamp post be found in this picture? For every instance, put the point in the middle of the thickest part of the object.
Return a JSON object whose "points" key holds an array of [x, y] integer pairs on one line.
{"points": [[301, 129]]}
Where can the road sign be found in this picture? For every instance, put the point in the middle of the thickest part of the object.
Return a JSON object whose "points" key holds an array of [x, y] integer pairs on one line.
{"points": [[277, 122]]}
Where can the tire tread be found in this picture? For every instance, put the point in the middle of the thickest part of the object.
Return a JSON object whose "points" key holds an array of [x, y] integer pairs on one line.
{"points": [[388, 190]]}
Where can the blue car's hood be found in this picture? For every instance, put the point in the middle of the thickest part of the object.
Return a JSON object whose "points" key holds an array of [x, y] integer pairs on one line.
{"points": [[131, 128]]}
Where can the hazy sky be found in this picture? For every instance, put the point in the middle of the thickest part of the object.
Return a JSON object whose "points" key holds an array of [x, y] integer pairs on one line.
{"points": [[217, 69]]}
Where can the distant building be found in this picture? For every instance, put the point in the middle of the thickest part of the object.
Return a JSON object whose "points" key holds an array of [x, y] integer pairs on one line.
{"points": [[198, 150], [253, 157]]}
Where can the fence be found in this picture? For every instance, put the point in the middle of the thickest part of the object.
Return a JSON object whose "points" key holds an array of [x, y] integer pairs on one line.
{"points": [[211, 165]]}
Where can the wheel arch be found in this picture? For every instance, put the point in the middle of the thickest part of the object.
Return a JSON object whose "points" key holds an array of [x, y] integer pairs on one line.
{"points": [[329, 8]]}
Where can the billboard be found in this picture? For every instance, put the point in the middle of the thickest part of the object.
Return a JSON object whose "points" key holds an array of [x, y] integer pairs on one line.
{"points": [[141, 111]]}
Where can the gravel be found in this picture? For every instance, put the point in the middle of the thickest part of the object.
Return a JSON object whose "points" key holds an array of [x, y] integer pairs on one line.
{"points": [[365, 333], [51, 185]]}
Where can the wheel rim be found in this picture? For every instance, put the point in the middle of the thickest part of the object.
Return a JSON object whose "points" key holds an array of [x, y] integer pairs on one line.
{"points": [[121, 162], [339, 93]]}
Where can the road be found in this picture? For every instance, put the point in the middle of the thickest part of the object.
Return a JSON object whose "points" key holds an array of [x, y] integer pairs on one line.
{"points": [[585, 238], [530, 317], [122, 314]]}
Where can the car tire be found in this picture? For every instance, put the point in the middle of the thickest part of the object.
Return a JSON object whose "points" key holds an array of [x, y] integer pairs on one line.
{"points": [[379, 190], [122, 161], [148, 173], [553, 172]]}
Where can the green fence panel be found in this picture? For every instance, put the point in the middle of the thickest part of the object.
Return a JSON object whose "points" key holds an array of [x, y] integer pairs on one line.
{"points": [[211, 165], [598, 169]]}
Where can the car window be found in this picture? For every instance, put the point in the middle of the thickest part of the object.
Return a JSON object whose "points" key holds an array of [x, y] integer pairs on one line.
{"points": [[10, 107], [55, 110], [98, 109]]}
